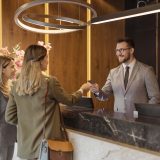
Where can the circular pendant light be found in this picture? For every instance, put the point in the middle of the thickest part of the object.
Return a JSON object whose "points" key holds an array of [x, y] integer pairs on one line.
{"points": [[24, 20]]}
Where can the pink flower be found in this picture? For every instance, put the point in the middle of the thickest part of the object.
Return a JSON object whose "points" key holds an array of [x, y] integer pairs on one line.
{"points": [[41, 43], [19, 63], [47, 45], [18, 57], [20, 53]]}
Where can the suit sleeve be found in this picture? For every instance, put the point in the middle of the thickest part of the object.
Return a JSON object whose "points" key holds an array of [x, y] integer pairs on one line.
{"points": [[106, 90], [11, 111], [61, 95], [152, 86]]}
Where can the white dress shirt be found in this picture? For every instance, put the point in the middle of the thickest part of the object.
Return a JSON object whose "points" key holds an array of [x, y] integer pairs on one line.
{"points": [[131, 65]]}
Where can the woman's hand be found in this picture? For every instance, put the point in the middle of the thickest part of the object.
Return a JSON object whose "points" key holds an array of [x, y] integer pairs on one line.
{"points": [[86, 86]]}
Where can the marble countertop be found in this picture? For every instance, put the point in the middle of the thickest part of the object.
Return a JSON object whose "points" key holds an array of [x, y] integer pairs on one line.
{"points": [[143, 132]]}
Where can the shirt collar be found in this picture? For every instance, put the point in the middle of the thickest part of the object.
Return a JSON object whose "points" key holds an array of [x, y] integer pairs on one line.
{"points": [[131, 65]]}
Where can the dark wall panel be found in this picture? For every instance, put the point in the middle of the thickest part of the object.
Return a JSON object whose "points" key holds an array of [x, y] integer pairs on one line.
{"points": [[145, 32]]}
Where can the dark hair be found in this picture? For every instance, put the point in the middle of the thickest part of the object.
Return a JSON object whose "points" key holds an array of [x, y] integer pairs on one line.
{"points": [[35, 53], [128, 40]]}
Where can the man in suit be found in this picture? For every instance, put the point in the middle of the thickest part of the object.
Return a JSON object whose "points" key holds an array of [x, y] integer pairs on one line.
{"points": [[137, 84]]}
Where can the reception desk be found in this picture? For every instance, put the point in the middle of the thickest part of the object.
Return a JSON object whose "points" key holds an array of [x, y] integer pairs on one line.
{"points": [[142, 133]]}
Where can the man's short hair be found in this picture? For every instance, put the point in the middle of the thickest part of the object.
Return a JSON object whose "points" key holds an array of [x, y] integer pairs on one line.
{"points": [[128, 40]]}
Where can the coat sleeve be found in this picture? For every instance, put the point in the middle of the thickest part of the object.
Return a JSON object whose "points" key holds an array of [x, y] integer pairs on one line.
{"points": [[61, 95], [1, 110], [11, 110], [152, 86]]}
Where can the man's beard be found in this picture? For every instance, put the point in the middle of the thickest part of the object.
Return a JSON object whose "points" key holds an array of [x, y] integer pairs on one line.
{"points": [[126, 59]]}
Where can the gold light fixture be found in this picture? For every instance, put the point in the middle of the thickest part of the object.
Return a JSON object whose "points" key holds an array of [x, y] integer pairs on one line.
{"points": [[24, 20], [141, 11]]}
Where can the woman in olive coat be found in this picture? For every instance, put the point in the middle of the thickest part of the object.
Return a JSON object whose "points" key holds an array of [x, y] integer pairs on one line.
{"points": [[7, 131], [26, 103]]}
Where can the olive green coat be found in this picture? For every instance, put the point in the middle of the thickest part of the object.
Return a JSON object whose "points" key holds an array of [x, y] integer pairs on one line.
{"points": [[27, 112]]}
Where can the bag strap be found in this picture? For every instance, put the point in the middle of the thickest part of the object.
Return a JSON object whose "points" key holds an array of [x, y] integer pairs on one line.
{"points": [[45, 102], [63, 129]]}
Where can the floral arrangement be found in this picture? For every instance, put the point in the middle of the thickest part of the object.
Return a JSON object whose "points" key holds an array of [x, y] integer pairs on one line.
{"points": [[18, 57], [47, 45], [4, 52], [18, 53]]}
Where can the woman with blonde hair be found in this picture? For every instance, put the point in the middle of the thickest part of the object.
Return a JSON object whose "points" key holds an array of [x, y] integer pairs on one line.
{"points": [[26, 104], [7, 131]]}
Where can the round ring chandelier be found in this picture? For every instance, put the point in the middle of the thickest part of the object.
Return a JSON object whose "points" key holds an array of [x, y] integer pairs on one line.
{"points": [[58, 28], [27, 19]]}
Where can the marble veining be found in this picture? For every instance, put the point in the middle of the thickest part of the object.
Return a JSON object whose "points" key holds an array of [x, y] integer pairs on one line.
{"points": [[142, 132]]}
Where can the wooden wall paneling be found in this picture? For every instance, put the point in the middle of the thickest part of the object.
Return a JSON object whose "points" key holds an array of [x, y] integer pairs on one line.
{"points": [[68, 55], [0, 23], [12, 34], [103, 46], [68, 59]]}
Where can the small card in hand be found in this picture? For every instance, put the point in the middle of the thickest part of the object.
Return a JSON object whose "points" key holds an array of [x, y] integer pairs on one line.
{"points": [[91, 81]]}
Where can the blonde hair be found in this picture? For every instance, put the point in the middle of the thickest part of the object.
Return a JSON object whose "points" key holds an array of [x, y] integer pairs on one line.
{"points": [[29, 80], [5, 59]]}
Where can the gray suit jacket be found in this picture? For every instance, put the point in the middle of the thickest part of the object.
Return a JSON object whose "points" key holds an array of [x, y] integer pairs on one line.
{"points": [[142, 87], [7, 131]]}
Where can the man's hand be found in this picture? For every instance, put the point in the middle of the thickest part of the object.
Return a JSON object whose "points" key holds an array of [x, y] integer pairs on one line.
{"points": [[94, 88]]}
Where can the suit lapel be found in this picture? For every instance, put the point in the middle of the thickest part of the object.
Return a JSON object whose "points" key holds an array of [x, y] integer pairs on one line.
{"points": [[133, 74]]}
